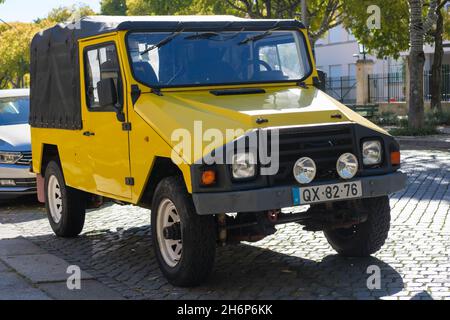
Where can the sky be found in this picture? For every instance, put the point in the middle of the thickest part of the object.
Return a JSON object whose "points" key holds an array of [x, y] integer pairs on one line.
{"points": [[29, 10]]}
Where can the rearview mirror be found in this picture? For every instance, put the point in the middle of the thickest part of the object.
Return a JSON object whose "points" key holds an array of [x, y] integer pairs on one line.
{"points": [[107, 92]]}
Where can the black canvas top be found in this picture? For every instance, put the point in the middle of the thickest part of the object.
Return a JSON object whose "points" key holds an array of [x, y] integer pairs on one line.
{"points": [[55, 72]]}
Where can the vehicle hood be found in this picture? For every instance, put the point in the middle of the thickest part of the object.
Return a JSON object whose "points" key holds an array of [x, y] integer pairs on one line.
{"points": [[15, 137], [277, 107]]}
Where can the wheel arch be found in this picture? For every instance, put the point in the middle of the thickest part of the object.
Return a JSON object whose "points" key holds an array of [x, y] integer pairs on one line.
{"points": [[49, 152], [162, 168]]}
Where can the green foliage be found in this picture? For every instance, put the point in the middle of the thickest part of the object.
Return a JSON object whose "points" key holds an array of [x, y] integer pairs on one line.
{"points": [[387, 118], [15, 40], [14, 50], [323, 14], [438, 118], [113, 7], [393, 36], [427, 130], [158, 7], [63, 14], [446, 24]]}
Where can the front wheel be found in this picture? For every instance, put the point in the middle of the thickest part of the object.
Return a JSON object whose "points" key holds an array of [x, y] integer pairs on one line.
{"points": [[366, 238], [185, 243], [66, 207]]}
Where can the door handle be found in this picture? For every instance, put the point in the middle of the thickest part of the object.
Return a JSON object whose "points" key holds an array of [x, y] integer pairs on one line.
{"points": [[88, 134]]}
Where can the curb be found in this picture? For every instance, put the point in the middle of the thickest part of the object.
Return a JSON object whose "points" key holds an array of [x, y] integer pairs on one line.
{"points": [[415, 143]]}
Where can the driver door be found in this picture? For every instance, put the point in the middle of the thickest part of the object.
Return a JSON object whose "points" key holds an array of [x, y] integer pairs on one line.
{"points": [[108, 151]]}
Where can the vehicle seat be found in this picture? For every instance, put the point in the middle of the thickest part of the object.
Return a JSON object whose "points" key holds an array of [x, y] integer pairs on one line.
{"points": [[144, 72]]}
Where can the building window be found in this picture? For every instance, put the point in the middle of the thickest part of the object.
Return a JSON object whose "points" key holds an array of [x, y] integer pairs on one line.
{"points": [[335, 35]]}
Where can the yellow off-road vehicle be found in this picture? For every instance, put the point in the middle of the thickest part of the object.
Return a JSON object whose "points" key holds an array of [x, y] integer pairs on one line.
{"points": [[217, 124]]}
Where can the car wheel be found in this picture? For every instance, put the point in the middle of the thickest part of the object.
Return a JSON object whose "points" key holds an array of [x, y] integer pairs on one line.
{"points": [[185, 242], [363, 239], [66, 207]]}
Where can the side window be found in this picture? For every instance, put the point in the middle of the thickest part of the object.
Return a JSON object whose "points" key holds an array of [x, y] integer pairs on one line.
{"points": [[101, 63]]}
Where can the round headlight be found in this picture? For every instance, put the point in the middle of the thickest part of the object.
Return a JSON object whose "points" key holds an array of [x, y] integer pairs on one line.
{"points": [[347, 166], [371, 151], [305, 170]]}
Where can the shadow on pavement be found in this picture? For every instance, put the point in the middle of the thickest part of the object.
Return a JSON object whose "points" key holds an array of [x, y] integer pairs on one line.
{"points": [[422, 296], [241, 272]]}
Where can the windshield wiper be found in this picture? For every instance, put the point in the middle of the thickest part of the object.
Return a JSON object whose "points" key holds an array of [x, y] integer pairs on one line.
{"points": [[163, 42], [257, 37], [203, 35]]}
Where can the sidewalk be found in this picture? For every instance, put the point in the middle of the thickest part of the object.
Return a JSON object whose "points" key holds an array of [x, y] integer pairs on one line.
{"points": [[29, 272]]}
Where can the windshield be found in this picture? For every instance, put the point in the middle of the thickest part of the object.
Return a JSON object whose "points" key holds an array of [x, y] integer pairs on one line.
{"points": [[14, 110], [207, 58]]}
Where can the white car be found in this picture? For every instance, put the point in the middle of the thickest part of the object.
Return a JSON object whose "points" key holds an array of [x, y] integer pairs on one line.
{"points": [[15, 145]]}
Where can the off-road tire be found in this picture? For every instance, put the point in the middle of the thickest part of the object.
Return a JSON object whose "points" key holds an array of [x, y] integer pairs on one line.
{"points": [[198, 234], [369, 236], [73, 205]]}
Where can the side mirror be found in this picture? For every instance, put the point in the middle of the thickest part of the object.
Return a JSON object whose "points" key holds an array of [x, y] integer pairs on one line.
{"points": [[107, 96], [320, 83]]}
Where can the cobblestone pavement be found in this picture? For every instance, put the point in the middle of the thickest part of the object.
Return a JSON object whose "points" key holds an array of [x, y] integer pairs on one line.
{"points": [[115, 248]]}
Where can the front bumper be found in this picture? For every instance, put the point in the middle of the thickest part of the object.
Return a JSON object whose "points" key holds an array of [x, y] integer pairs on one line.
{"points": [[281, 197], [25, 181]]}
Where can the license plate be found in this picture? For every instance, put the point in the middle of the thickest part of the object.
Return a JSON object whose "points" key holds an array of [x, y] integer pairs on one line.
{"points": [[327, 192]]}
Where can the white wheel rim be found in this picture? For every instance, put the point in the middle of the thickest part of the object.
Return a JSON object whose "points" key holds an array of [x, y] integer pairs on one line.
{"points": [[54, 199], [171, 250]]}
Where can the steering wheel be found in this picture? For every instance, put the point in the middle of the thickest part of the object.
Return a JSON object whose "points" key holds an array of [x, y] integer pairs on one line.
{"points": [[261, 63]]}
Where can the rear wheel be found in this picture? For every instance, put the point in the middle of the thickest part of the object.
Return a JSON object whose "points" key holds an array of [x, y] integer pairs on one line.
{"points": [[66, 207], [185, 243], [366, 238]]}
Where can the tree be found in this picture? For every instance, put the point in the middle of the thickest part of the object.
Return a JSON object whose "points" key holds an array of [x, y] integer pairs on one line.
{"points": [[436, 69], [319, 17], [391, 38], [113, 7], [323, 14], [158, 7], [64, 14], [418, 27], [15, 42]]}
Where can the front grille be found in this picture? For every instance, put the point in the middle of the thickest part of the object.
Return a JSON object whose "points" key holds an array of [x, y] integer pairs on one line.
{"points": [[25, 160], [324, 145], [25, 182]]}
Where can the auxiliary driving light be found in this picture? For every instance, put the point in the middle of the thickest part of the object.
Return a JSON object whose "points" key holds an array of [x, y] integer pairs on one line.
{"points": [[305, 170], [347, 166]]}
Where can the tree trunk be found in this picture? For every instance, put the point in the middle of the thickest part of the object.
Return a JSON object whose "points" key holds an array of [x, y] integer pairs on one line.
{"points": [[305, 16], [436, 70], [416, 64]]}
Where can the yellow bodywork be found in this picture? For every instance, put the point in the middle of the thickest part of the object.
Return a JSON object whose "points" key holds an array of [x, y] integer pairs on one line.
{"points": [[119, 154]]}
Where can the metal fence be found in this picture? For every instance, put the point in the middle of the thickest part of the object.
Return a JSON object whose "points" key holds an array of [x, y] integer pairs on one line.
{"points": [[445, 84], [391, 87], [388, 87], [342, 89]]}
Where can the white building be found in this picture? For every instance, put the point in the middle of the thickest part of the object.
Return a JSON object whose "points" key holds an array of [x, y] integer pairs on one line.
{"points": [[338, 51]]}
